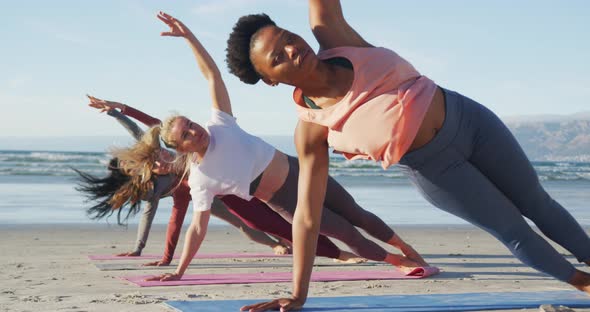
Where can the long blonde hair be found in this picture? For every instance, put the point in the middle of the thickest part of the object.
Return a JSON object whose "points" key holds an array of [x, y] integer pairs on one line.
{"points": [[138, 161]]}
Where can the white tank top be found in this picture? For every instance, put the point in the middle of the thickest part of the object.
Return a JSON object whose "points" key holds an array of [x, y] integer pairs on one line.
{"points": [[232, 161]]}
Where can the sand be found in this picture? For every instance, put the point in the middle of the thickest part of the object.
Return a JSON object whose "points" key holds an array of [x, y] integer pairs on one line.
{"points": [[45, 268]]}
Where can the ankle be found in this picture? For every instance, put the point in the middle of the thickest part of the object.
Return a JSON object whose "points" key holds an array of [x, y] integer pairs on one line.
{"points": [[396, 241], [345, 255], [581, 281], [393, 259]]}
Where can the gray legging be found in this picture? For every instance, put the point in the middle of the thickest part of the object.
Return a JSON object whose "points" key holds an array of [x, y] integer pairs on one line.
{"points": [[339, 217], [475, 170]]}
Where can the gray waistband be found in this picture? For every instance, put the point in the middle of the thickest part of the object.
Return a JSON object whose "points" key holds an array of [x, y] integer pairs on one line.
{"points": [[453, 115], [293, 172], [286, 195]]}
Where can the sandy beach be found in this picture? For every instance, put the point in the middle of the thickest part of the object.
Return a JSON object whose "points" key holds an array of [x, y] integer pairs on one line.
{"points": [[46, 268]]}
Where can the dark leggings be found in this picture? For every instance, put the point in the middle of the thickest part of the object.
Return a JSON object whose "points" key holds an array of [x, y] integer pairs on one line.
{"points": [[475, 169], [259, 216], [340, 216], [254, 214]]}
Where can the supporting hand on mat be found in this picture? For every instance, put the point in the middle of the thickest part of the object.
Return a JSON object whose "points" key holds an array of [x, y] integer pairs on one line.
{"points": [[129, 254], [165, 277], [104, 105], [157, 263], [284, 304]]}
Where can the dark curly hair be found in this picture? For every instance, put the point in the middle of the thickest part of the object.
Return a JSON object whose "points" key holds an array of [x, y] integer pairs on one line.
{"points": [[239, 43]]}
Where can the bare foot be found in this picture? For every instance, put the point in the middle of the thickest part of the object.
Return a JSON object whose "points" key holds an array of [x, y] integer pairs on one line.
{"points": [[281, 250], [129, 254], [406, 269], [349, 258], [157, 263], [581, 281], [407, 250], [284, 242], [413, 255]]}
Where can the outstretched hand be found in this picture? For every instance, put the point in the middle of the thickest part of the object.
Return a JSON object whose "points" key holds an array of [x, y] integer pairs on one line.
{"points": [[164, 277], [284, 304], [129, 254], [103, 105], [157, 263], [177, 28]]}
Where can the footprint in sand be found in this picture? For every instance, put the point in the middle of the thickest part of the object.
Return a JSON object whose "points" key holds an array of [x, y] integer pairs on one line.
{"points": [[32, 299]]}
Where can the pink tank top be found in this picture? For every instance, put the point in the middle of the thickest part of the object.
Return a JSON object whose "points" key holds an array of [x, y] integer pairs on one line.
{"points": [[380, 115]]}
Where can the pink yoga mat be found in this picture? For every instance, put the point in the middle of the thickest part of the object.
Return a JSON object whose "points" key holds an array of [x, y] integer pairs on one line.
{"points": [[198, 256], [277, 277]]}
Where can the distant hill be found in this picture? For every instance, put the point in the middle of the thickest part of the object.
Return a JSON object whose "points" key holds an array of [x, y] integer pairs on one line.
{"points": [[553, 138], [547, 118]]}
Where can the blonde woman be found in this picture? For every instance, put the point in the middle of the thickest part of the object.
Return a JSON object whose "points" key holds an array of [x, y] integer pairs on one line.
{"points": [[224, 159], [151, 176]]}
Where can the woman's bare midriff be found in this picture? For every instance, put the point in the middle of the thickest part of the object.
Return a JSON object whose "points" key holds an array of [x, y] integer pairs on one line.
{"points": [[273, 177], [433, 121]]}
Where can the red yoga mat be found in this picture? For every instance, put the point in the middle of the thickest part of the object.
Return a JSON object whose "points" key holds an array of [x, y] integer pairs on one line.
{"points": [[277, 277]]}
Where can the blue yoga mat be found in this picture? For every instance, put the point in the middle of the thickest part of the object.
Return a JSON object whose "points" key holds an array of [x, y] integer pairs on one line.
{"points": [[411, 303]]}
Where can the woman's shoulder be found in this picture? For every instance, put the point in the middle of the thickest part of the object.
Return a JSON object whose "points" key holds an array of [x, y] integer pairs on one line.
{"points": [[356, 54]]}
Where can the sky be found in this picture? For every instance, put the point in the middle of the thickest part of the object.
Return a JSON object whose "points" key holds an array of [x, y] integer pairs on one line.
{"points": [[516, 57]]}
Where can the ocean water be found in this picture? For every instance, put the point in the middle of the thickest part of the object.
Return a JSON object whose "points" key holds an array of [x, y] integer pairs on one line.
{"points": [[39, 188]]}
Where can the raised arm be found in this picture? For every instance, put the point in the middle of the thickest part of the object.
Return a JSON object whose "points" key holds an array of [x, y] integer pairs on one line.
{"points": [[312, 148], [329, 26], [127, 123], [142, 117], [219, 94], [127, 110]]}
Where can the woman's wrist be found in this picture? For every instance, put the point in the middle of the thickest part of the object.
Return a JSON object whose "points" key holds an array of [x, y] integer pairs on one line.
{"points": [[300, 299], [179, 272], [190, 37]]}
